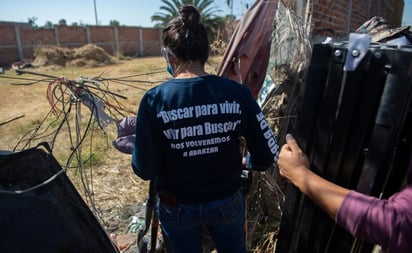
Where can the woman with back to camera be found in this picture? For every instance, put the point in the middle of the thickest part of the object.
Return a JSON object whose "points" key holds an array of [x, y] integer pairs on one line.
{"points": [[187, 141]]}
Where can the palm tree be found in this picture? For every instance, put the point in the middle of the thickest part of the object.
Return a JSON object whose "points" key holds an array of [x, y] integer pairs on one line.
{"points": [[206, 8]]}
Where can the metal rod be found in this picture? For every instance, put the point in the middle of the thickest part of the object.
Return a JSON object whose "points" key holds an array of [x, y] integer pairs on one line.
{"points": [[95, 12]]}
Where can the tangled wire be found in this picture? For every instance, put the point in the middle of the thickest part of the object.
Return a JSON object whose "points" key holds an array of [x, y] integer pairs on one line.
{"points": [[67, 126]]}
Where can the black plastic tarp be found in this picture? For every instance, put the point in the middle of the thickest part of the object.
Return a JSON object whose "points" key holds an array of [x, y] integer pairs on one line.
{"points": [[40, 209]]}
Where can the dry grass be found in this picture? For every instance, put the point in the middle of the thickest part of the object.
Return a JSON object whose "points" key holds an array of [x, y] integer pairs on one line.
{"points": [[107, 181], [112, 188]]}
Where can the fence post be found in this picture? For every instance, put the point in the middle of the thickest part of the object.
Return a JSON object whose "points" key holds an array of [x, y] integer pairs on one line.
{"points": [[56, 36], [88, 36], [116, 41], [160, 40], [18, 42], [141, 48]]}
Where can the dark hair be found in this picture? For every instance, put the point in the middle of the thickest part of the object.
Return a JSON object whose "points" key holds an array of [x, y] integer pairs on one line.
{"points": [[186, 36]]}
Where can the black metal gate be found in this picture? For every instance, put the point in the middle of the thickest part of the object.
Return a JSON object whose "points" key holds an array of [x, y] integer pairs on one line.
{"points": [[355, 127]]}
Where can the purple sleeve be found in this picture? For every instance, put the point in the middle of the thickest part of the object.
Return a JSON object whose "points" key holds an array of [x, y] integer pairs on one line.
{"points": [[126, 128], [384, 222]]}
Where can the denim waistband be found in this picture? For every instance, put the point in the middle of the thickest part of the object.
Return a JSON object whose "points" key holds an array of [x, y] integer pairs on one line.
{"points": [[172, 200]]}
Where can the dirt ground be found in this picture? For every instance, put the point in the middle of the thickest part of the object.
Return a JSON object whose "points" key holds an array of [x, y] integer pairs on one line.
{"points": [[44, 101], [116, 193]]}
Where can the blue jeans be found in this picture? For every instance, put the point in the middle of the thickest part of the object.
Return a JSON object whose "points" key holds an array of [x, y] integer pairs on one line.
{"points": [[224, 219]]}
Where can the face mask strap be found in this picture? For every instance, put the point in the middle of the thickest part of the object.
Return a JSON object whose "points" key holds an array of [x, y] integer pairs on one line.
{"points": [[166, 53]]}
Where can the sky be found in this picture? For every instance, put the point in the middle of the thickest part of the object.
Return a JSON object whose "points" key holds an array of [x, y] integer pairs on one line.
{"points": [[407, 13], [126, 12]]}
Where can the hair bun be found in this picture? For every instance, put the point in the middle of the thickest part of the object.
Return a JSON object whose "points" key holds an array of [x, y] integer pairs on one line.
{"points": [[186, 36], [189, 15]]}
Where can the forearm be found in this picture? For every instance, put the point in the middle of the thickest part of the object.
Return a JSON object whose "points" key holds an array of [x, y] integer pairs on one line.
{"points": [[325, 194], [295, 166]]}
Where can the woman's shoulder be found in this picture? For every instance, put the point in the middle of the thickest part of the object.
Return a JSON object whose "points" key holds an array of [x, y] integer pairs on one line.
{"points": [[162, 86], [231, 82]]}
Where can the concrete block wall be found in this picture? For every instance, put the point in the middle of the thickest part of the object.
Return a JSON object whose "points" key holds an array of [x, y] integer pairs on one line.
{"points": [[340, 17], [336, 18], [18, 40], [8, 50]]}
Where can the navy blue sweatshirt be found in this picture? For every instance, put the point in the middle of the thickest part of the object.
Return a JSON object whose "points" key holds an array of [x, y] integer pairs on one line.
{"points": [[187, 137]]}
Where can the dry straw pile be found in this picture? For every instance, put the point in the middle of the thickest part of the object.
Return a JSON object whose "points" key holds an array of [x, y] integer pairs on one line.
{"points": [[88, 55], [290, 55]]}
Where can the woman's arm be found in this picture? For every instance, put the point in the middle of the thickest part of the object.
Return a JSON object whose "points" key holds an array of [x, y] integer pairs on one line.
{"points": [[294, 165], [386, 222]]}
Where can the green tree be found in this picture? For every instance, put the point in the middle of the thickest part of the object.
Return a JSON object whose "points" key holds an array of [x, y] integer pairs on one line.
{"points": [[62, 22], [48, 24], [32, 22], [206, 8], [114, 23]]}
